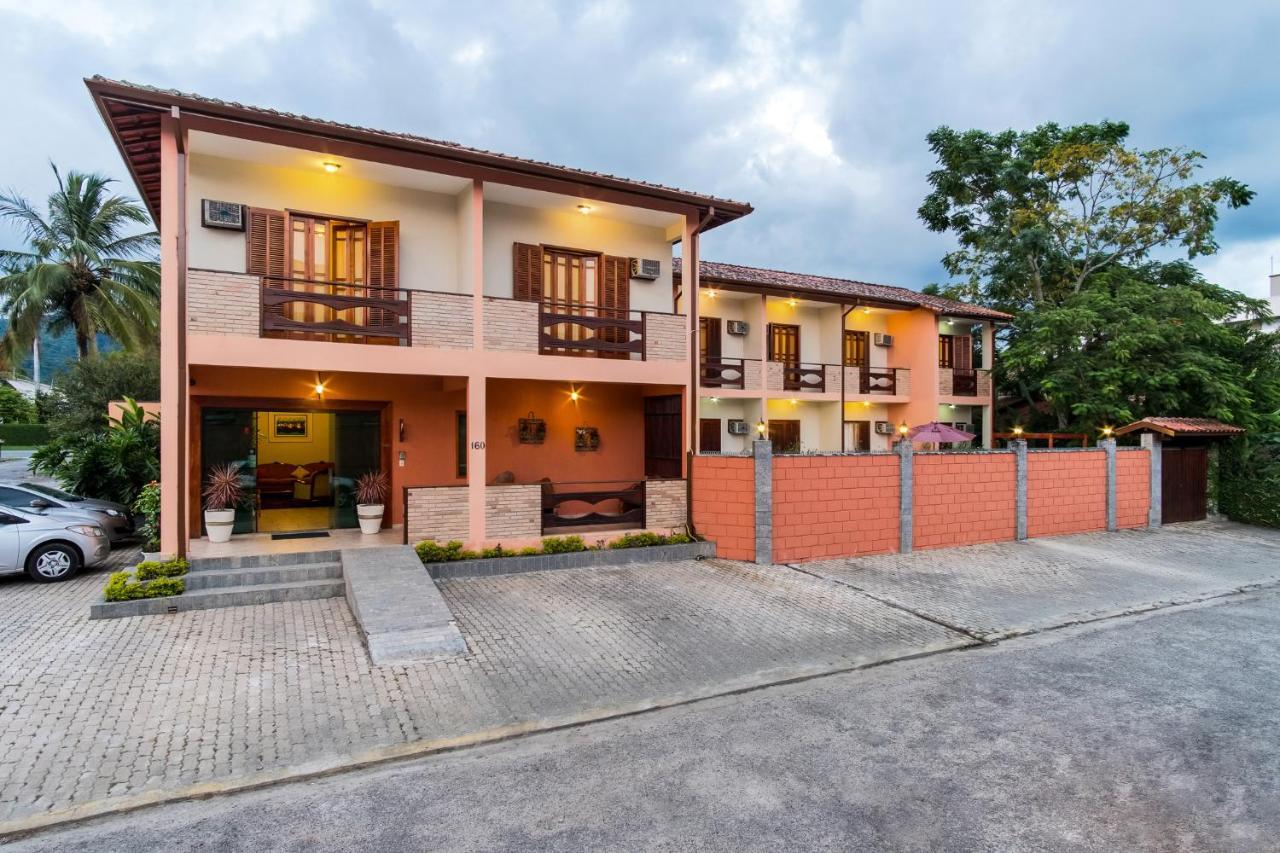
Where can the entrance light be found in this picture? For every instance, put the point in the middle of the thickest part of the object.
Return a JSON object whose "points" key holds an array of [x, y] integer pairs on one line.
{"points": [[760, 429]]}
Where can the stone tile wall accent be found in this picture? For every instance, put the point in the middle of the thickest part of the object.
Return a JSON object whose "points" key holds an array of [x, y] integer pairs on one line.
{"points": [[751, 375], [510, 325], [223, 303], [665, 336], [666, 504], [513, 511], [442, 320], [437, 512]]}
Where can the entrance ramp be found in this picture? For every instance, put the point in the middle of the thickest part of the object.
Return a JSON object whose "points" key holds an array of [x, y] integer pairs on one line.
{"points": [[401, 613]]}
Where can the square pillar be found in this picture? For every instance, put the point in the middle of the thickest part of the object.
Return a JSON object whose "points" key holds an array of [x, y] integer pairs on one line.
{"points": [[476, 474], [174, 437], [906, 494], [1152, 444], [1108, 445], [1020, 487], [762, 454]]}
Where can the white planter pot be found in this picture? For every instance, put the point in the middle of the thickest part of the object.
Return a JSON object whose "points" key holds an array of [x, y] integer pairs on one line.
{"points": [[370, 516], [149, 556], [218, 523]]}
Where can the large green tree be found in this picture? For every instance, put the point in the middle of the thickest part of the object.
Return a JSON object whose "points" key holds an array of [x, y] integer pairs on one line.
{"points": [[90, 265], [1058, 226]]}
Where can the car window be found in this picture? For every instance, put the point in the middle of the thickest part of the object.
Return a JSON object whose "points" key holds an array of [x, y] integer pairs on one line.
{"points": [[51, 492], [10, 496]]}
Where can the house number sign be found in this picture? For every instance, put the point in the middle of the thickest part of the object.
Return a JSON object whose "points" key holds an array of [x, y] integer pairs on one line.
{"points": [[477, 445]]}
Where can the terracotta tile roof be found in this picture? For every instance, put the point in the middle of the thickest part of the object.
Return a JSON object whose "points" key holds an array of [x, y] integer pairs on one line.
{"points": [[104, 87], [1182, 426], [800, 283]]}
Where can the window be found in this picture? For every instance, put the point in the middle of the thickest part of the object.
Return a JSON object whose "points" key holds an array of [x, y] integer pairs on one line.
{"points": [[855, 349], [15, 497], [785, 436], [460, 443], [709, 435], [709, 337], [857, 436], [946, 351], [784, 343]]}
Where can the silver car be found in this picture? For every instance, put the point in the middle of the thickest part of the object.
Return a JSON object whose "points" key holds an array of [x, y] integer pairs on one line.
{"points": [[115, 518], [49, 547]]}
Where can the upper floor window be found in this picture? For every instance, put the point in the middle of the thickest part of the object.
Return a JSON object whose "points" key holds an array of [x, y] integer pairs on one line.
{"points": [[855, 349], [946, 350], [955, 351]]}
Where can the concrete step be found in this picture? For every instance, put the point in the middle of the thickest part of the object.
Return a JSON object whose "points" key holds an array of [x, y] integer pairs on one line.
{"points": [[257, 561], [261, 576], [230, 596]]}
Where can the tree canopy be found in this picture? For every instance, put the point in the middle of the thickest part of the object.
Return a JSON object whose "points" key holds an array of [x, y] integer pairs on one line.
{"points": [[1058, 226]]}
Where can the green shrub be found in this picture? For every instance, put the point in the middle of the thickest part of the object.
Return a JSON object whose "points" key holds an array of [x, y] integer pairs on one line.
{"points": [[638, 540], [495, 552], [433, 552], [148, 505], [152, 569], [1248, 481], [530, 552], [25, 435], [563, 545], [124, 586]]}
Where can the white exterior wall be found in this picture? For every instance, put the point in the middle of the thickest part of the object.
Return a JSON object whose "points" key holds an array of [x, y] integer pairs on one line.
{"points": [[819, 329], [430, 242], [731, 308], [726, 409], [505, 225], [874, 412]]}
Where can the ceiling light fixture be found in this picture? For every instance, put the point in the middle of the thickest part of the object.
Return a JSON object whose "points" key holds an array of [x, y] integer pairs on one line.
{"points": [[584, 209], [330, 166]]}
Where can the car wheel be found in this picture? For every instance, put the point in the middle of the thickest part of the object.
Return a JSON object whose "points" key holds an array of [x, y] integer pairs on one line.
{"points": [[55, 561]]}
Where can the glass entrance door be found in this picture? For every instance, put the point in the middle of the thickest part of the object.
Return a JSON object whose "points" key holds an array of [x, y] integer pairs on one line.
{"points": [[357, 450], [229, 436]]}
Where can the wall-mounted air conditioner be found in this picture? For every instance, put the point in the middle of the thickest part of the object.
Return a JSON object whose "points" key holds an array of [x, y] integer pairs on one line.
{"points": [[737, 327], [963, 427], [221, 214], [737, 427], [884, 428], [880, 339], [645, 268]]}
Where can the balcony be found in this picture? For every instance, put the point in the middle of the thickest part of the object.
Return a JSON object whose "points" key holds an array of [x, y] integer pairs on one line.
{"points": [[887, 381], [734, 374], [311, 310], [587, 331], [803, 377], [961, 382]]}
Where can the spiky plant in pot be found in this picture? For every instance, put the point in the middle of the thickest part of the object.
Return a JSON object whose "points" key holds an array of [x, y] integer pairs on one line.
{"points": [[222, 493], [371, 492]]}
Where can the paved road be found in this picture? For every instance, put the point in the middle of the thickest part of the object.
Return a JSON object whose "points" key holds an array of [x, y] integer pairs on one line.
{"points": [[1147, 733]]}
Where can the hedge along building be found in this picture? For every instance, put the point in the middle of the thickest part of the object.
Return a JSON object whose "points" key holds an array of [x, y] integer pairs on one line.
{"points": [[513, 341]]}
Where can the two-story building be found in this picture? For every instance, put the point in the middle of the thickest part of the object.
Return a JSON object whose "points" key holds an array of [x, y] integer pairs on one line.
{"points": [[826, 364], [509, 340]]}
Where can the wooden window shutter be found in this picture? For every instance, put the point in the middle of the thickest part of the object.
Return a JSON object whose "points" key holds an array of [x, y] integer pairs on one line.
{"points": [[384, 256], [527, 272], [615, 299], [266, 245], [962, 354], [768, 331]]}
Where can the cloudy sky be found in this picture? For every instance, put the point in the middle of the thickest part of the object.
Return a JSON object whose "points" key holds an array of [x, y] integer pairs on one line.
{"points": [[814, 112]]}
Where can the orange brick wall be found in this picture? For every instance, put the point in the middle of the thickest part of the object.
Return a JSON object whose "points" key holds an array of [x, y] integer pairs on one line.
{"points": [[834, 506], [1066, 492], [1133, 487], [964, 499], [724, 504]]}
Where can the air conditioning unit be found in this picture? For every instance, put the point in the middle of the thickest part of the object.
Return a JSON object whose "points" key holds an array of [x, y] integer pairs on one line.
{"points": [[884, 428], [882, 340], [963, 427], [645, 268], [737, 427], [737, 327], [221, 214]]}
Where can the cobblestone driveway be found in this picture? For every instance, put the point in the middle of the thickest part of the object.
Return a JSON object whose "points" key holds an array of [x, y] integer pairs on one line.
{"points": [[95, 710], [1011, 587]]}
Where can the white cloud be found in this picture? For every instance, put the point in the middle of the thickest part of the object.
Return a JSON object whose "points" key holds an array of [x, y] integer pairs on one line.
{"points": [[1244, 265]]}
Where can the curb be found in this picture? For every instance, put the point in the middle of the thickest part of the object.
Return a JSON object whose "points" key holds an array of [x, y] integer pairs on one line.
{"points": [[494, 566]]}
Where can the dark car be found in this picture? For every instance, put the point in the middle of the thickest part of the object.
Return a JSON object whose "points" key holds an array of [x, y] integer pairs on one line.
{"points": [[115, 518]]}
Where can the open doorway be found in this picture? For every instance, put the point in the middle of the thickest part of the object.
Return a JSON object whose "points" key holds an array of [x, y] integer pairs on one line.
{"points": [[298, 467]]}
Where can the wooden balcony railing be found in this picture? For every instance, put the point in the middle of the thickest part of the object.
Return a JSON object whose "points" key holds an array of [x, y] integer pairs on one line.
{"points": [[590, 330], [804, 377], [964, 383], [724, 373], [878, 380], [592, 504], [307, 309]]}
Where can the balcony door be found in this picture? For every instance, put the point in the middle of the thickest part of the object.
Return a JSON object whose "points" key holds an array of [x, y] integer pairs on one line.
{"points": [[569, 282], [329, 257], [784, 347]]}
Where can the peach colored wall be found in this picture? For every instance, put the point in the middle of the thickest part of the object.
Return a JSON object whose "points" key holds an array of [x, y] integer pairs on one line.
{"points": [[915, 346], [963, 499], [427, 404], [617, 411], [724, 504], [1133, 487], [834, 506], [1066, 492], [116, 408]]}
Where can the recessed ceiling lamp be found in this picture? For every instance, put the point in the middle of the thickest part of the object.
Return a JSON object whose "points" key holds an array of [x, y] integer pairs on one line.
{"points": [[584, 209], [330, 166]]}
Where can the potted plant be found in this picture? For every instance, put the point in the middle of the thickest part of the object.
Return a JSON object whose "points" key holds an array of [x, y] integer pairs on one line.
{"points": [[222, 493], [371, 491]]}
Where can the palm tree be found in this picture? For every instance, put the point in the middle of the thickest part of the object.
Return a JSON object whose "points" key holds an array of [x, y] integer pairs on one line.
{"points": [[83, 270]]}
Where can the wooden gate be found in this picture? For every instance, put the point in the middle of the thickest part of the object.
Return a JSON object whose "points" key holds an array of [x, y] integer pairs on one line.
{"points": [[1184, 483]]}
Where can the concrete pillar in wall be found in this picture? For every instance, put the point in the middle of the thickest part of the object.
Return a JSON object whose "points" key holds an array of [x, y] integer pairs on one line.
{"points": [[1108, 446], [762, 453], [1151, 442], [1019, 446], [906, 494]]}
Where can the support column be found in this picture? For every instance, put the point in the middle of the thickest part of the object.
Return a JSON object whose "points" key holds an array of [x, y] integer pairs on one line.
{"points": [[1108, 446], [906, 494], [988, 364], [762, 453], [1020, 488], [1151, 442], [174, 515], [476, 475]]}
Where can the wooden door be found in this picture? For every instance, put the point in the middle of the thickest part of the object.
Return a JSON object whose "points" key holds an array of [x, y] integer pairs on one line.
{"points": [[569, 287], [855, 349], [785, 436], [709, 338], [1184, 485], [662, 454], [784, 347], [709, 435], [857, 436]]}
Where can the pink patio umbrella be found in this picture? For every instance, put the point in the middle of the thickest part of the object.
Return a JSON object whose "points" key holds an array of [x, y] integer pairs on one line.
{"points": [[936, 433]]}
